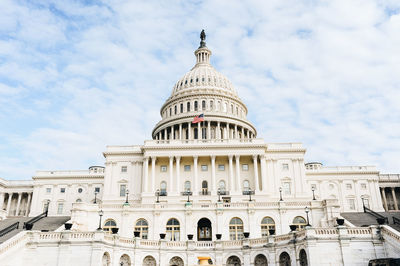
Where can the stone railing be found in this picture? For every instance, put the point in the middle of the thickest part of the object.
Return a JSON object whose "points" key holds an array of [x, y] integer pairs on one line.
{"points": [[18, 240], [389, 232]]}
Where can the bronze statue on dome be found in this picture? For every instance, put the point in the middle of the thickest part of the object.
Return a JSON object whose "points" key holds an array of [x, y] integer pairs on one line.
{"points": [[202, 38]]}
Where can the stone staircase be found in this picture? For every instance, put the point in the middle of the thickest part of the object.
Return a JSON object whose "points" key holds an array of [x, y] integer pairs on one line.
{"points": [[46, 223], [366, 219]]}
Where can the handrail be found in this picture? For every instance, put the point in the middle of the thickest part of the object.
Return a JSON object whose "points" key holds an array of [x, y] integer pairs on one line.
{"points": [[375, 214], [9, 229], [396, 220], [35, 219]]}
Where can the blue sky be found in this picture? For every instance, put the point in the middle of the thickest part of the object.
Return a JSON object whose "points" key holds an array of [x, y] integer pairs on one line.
{"points": [[76, 76]]}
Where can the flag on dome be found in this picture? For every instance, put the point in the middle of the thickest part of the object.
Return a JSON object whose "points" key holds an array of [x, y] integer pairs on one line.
{"points": [[198, 118]]}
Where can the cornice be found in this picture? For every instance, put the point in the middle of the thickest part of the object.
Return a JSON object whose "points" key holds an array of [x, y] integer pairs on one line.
{"points": [[68, 177], [343, 173]]}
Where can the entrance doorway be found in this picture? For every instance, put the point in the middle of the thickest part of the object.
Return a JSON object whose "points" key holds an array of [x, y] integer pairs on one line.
{"points": [[204, 231]]}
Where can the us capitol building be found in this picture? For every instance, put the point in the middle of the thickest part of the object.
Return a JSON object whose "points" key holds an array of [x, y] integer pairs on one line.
{"points": [[204, 190]]}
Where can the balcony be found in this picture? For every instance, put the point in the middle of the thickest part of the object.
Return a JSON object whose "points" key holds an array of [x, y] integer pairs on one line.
{"points": [[205, 193]]}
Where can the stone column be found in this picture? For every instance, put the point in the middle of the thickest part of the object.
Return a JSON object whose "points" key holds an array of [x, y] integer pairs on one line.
{"points": [[153, 173], [171, 174], [208, 129], [237, 162], [165, 134], [178, 172], [189, 130], [180, 131], [384, 198], [228, 135], [145, 174], [263, 173], [231, 178], [28, 203], [255, 163], [18, 203], [236, 132], [9, 203], [396, 207], [196, 181], [218, 133], [242, 133], [214, 184], [1, 200]]}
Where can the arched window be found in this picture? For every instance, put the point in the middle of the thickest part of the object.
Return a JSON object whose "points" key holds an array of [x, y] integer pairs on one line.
{"points": [[176, 261], [106, 259], [125, 260], [143, 227], [299, 222], [221, 185], [110, 223], [78, 200], [176, 109], [173, 230], [236, 229], [196, 107], [181, 107], [204, 187], [218, 105], [284, 259], [211, 105], [225, 107], [203, 105], [163, 187], [188, 107], [260, 260], [267, 224], [233, 261], [149, 261], [303, 258], [187, 186], [246, 185]]}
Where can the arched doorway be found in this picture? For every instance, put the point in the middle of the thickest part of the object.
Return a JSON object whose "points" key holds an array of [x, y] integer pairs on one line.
{"points": [[106, 259], [176, 261], [149, 261], [260, 260], [125, 260], [284, 259], [204, 230], [233, 261], [303, 258]]}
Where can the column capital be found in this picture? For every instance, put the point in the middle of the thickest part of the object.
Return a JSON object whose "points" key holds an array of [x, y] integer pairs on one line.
{"points": [[255, 156], [237, 157], [178, 158], [195, 157], [213, 157], [171, 158], [230, 157], [262, 156], [153, 158], [145, 159]]}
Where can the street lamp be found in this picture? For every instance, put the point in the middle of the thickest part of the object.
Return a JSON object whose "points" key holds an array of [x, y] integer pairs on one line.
{"points": [[219, 194], [307, 210], [313, 194], [280, 194], [127, 194], [95, 197], [100, 215], [158, 196], [363, 203]]}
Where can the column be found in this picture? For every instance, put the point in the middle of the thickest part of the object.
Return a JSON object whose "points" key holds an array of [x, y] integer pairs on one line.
{"points": [[242, 133], [180, 131], [231, 179], [171, 173], [237, 159], [214, 184], [172, 132], [28, 203], [228, 135], [165, 134], [178, 172], [236, 132], [196, 181], [358, 206], [396, 207], [153, 173], [189, 130], [218, 133], [2, 200], [384, 198], [263, 173], [255, 163], [208, 129], [18, 203], [145, 174], [9, 203]]}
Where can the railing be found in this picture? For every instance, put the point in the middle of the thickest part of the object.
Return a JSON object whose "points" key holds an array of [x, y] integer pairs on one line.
{"points": [[375, 214], [9, 229], [35, 219], [205, 193], [396, 220]]}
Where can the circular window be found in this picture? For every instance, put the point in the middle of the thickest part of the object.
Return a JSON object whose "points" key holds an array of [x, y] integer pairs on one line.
{"points": [[80, 190]]}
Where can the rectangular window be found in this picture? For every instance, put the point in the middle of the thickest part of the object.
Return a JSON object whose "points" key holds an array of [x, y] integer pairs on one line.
{"points": [[245, 167], [363, 186], [186, 168], [221, 167], [163, 168], [48, 190], [285, 166], [204, 168], [62, 190], [97, 189], [313, 187], [349, 186], [286, 188], [122, 190], [60, 208], [351, 203], [124, 169], [181, 107]]}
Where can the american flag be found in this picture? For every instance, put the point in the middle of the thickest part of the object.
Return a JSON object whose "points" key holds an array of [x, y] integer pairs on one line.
{"points": [[198, 118]]}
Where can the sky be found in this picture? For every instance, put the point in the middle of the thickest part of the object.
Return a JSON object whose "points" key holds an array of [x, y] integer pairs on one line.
{"points": [[76, 76]]}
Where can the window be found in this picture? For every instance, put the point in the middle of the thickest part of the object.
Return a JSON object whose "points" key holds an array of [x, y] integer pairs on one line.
{"points": [[221, 167], [143, 228], [60, 207], [80, 190], [176, 109], [187, 186], [108, 225], [196, 106], [366, 202], [163, 187], [122, 190], [181, 107], [236, 229], [286, 188], [48, 190], [204, 168], [351, 203], [186, 168], [188, 107], [211, 105], [245, 167], [363, 186], [299, 222], [173, 230], [170, 111], [124, 169], [204, 188], [246, 185], [349, 186], [221, 185], [97, 189], [232, 108], [285, 166], [203, 105], [225, 107], [78, 200], [62, 190], [267, 224], [163, 168]]}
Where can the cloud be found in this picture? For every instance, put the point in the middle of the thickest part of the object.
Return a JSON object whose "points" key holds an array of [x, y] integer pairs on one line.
{"points": [[77, 76]]}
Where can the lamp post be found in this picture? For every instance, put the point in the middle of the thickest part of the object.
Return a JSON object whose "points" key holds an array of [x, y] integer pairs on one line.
{"points": [[100, 215], [219, 194], [47, 206], [363, 203], [127, 194], [313, 194], [280, 194], [95, 197], [307, 210], [158, 196], [188, 193]]}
